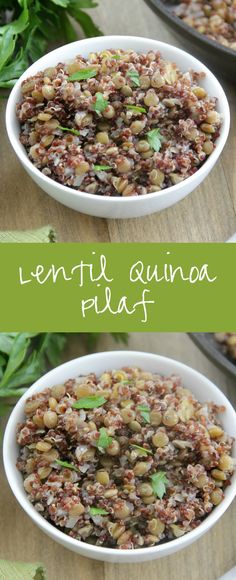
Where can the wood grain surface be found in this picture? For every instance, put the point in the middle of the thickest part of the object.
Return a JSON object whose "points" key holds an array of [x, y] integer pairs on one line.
{"points": [[208, 558], [208, 214]]}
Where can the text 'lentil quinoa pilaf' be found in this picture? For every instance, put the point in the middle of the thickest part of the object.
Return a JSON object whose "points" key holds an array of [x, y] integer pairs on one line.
{"points": [[126, 460], [118, 123]]}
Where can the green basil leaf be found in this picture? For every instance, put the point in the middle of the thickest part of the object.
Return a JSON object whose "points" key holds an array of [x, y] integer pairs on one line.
{"points": [[134, 76], [102, 167], [69, 129], [101, 104], [91, 402], [90, 29], [104, 439], [144, 412], [142, 449], [7, 46], [155, 138], [135, 108], [83, 74], [66, 464], [62, 3], [17, 356], [159, 482], [94, 511]]}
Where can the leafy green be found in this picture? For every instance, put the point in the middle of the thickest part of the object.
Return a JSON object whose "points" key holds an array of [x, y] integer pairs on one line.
{"points": [[29, 27], [69, 129], [159, 482], [135, 108], [143, 450], [66, 464], [100, 104], [104, 440], [94, 511], [90, 402], [102, 167], [24, 357], [134, 76], [144, 412], [83, 74], [154, 138]]}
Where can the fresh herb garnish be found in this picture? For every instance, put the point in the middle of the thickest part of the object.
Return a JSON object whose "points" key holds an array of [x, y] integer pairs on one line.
{"points": [[83, 74], [144, 412], [94, 511], [66, 464], [141, 449], [116, 56], [104, 439], [102, 167], [155, 138], [100, 104], [159, 482], [30, 27], [134, 76], [135, 108], [90, 402], [69, 129]]}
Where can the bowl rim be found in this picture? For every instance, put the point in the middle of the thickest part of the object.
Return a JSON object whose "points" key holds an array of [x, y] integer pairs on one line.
{"points": [[174, 189], [165, 9], [61, 537]]}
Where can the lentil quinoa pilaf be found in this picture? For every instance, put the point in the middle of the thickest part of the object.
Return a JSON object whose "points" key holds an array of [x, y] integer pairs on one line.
{"points": [[118, 123], [214, 18], [126, 460]]}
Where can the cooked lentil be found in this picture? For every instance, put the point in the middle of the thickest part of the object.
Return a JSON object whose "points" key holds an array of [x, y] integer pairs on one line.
{"points": [[214, 18], [109, 496], [137, 114], [227, 341]]}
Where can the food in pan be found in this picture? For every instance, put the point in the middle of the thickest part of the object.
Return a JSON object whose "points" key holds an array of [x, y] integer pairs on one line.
{"points": [[214, 18], [227, 340]]}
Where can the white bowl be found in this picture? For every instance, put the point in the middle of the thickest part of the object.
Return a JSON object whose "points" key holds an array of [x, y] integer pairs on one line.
{"points": [[116, 207], [202, 388]]}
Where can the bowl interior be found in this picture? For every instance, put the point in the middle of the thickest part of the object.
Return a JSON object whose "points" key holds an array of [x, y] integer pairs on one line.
{"points": [[68, 52], [203, 389]]}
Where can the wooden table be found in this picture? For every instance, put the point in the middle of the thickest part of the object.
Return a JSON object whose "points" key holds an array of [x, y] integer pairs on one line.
{"points": [[209, 557], [208, 214]]}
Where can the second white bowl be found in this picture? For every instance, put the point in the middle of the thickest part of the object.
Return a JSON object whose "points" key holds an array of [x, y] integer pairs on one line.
{"points": [[118, 207], [203, 389]]}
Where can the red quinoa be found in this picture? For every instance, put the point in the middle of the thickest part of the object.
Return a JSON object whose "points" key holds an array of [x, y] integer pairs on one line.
{"points": [[152, 459], [136, 126]]}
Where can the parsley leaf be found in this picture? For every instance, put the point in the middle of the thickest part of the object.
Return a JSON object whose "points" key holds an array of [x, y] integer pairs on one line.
{"points": [[134, 76], [159, 481], [135, 108], [66, 464], [69, 129], [116, 56], [155, 138], [142, 450], [144, 412], [90, 402], [104, 439], [102, 167], [100, 104], [94, 511], [83, 74]]}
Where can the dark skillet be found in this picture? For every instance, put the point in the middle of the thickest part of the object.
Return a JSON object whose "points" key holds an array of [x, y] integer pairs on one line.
{"points": [[217, 56], [213, 350]]}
